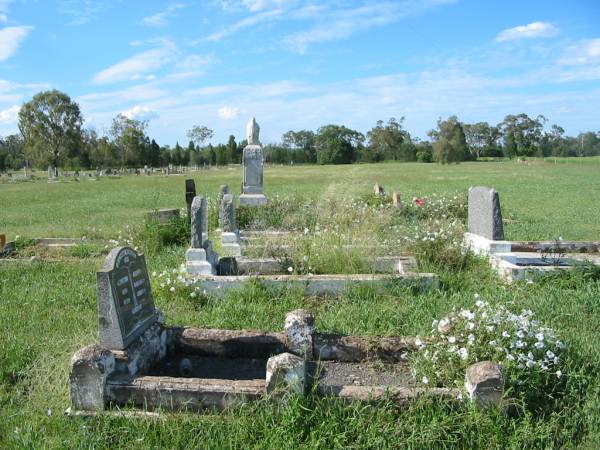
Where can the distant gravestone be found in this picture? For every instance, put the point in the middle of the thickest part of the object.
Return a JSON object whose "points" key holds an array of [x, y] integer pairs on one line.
{"points": [[253, 163], [223, 190], [190, 193], [227, 215], [199, 221], [125, 303], [485, 215], [396, 202], [378, 190]]}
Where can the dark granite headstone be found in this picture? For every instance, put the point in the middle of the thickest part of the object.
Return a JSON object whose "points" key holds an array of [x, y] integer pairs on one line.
{"points": [[485, 216], [190, 193], [125, 303]]}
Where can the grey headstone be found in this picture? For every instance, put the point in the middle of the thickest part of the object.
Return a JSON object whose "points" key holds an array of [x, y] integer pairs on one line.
{"points": [[223, 190], [227, 215], [253, 169], [199, 221], [485, 216], [125, 303]]}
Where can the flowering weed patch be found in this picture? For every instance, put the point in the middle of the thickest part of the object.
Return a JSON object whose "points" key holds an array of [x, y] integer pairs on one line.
{"points": [[530, 353]]}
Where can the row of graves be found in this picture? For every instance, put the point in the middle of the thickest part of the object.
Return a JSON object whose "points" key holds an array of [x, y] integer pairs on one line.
{"points": [[141, 362]]}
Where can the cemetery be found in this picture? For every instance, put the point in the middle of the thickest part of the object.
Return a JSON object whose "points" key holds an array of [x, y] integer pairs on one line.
{"points": [[249, 306]]}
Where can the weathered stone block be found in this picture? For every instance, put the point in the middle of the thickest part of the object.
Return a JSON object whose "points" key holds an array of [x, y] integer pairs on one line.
{"points": [[299, 328], [90, 368], [286, 372], [484, 383]]}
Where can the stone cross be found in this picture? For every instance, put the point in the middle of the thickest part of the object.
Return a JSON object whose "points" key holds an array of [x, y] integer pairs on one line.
{"points": [[199, 221], [252, 132], [125, 303], [190, 193], [485, 215], [227, 215]]}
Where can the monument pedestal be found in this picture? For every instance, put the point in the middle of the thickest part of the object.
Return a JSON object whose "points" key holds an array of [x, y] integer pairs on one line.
{"points": [[252, 200]]}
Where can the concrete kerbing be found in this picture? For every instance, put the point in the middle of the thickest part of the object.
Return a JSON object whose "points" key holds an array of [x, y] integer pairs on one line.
{"points": [[286, 373]]}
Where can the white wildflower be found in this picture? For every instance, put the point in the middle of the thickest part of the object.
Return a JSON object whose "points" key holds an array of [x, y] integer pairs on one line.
{"points": [[463, 353]]}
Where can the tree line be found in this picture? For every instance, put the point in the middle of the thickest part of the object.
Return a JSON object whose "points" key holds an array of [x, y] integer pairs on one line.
{"points": [[52, 134]]}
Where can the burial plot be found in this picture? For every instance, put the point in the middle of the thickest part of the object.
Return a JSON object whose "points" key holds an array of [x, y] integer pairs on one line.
{"points": [[143, 363]]}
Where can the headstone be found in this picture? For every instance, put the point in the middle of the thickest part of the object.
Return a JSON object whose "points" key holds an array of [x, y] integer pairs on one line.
{"points": [[51, 173], [198, 217], [378, 190], [228, 266], [230, 238], [223, 189], [485, 215], [200, 258], [190, 193], [163, 215], [125, 303], [227, 215], [253, 162]]}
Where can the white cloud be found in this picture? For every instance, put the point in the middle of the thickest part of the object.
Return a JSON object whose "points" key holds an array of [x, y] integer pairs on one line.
{"points": [[532, 30], [259, 5], [339, 24], [228, 112], [245, 23], [83, 11], [585, 52], [10, 115], [161, 19], [191, 66], [140, 113], [137, 65], [10, 40]]}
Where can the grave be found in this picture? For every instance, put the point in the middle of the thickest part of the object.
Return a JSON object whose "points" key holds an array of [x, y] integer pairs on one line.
{"points": [[163, 215], [230, 239], [190, 193], [253, 163], [141, 362], [201, 259], [517, 260]]}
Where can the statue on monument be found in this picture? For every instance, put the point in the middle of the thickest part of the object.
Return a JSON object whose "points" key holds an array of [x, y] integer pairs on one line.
{"points": [[252, 131]]}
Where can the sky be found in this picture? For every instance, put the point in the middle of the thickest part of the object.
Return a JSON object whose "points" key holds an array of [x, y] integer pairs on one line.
{"points": [[301, 64]]}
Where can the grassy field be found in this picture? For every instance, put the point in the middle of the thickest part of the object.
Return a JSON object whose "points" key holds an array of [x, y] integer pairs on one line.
{"points": [[542, 199], [48, 311]]}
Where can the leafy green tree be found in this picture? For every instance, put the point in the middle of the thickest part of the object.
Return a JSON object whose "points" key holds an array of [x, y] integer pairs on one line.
{"points": [[200, 134], [154, 154], [221, 155], [129, 137], [232, 155], [12, 152], [522, 134], [482, 139], [450, 144], [389, 141], [302, 145], [336, 144], [51, 126]]}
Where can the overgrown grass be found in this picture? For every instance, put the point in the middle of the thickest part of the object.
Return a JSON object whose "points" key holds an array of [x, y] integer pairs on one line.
{"points": [[48, 309]]}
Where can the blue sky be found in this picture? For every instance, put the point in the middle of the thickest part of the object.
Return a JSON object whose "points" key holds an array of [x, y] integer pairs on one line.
{"points": [[298, 64]]}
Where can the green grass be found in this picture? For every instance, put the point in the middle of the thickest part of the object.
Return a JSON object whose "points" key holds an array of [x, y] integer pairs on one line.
{"points": [[48, 310], [542, 200]]}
